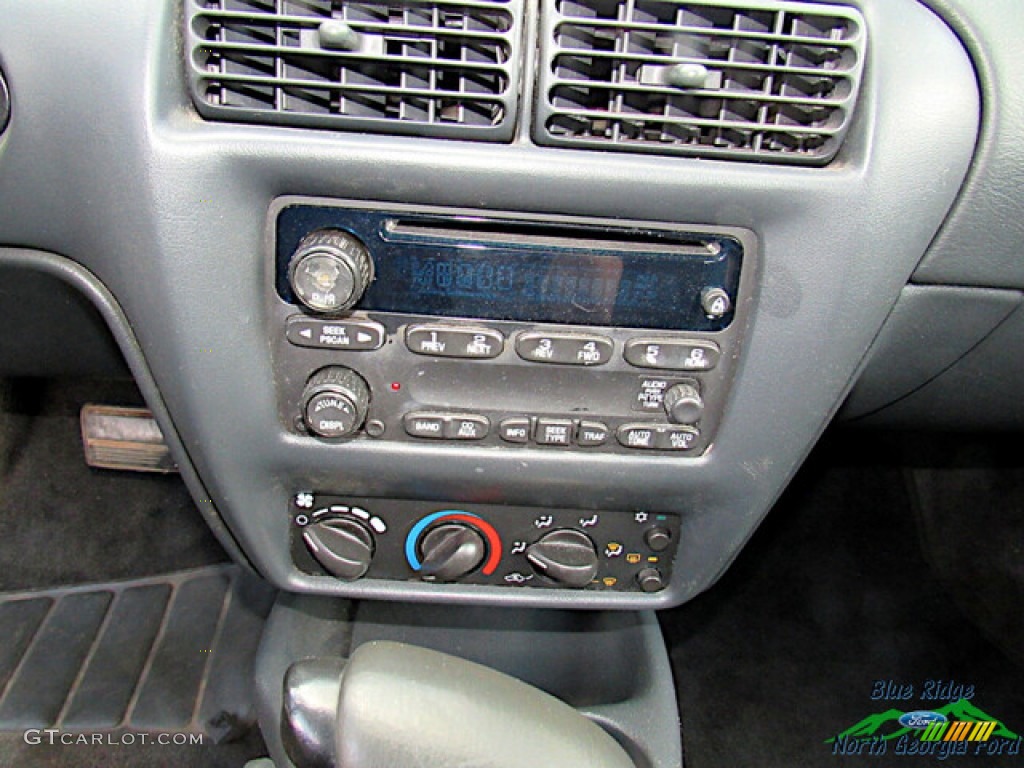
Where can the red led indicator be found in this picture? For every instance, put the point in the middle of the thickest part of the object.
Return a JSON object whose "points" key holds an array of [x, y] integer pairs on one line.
{"points": [[395, 386]]}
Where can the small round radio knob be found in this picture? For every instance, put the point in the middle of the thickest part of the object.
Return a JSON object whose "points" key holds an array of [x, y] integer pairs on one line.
{"points": [[683, 403], [335, 402], [330, 270]]}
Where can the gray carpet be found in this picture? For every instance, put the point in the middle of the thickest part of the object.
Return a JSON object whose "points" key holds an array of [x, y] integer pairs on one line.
{"points": [[831, 596]]}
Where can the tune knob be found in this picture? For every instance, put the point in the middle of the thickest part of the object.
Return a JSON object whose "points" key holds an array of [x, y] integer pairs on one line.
{"points": [[330, 270], [683, 403], [335, 402], [565, 556], [341, 545], [450, 551]]}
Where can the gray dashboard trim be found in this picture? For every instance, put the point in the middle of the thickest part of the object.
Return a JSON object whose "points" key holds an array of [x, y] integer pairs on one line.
{"points": [[980, 242], [168, 212], [83, 281]]}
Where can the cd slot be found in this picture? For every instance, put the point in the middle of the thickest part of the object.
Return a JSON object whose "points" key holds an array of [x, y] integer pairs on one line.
{"points": [[468, 233]]}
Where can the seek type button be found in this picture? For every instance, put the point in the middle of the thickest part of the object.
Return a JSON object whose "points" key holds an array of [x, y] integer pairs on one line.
{"points": [[553, 432], [448, 341], [672, 354], [564, 348]]}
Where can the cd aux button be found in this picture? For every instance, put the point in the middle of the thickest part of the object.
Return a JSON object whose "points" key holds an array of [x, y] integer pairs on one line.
{"points": [[448, 341], [672, 354], [465, 426], [564, 348]]}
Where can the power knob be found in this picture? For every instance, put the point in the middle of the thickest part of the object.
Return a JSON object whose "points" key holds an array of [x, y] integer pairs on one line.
{"points": [[335, 402], [330, 270], [343, 546], [683, 403]]}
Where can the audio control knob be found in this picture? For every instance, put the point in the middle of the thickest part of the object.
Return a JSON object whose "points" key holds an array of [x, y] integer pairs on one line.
{"points": [[450, 551], [683, 403], [341, 545], [330, 270], [335, 402], [566, 556]]}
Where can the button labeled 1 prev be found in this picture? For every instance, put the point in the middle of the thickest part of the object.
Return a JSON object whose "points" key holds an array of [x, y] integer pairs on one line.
{"points": [[449, 341]]}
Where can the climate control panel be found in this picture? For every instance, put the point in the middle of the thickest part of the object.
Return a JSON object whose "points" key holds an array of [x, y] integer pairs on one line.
{"points": [[486, 544]]}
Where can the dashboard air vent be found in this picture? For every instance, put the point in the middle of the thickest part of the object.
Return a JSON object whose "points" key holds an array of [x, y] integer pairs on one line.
{"points": [[768, 81], [444, 68]]}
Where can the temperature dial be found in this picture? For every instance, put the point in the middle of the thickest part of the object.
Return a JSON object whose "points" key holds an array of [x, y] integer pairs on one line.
{"points": [[335, 402], [450, 551], [330, 270]]}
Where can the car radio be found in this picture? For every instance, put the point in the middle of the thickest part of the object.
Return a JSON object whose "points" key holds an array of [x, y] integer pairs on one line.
{"points": [[502, 330]]}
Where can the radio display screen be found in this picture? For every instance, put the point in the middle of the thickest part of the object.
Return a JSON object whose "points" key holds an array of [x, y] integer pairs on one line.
{"points": [[653, 281]]}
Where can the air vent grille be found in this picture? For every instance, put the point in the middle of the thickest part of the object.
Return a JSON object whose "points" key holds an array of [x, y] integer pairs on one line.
{"points": [[431, 67], [763, 81]]}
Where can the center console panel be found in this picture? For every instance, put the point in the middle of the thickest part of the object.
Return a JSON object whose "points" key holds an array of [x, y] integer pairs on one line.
{"points": [[499, 332]]}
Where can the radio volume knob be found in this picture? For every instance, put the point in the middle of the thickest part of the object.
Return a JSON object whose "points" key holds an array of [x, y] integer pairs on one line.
{"points": [[330, 270], [335, 402]]}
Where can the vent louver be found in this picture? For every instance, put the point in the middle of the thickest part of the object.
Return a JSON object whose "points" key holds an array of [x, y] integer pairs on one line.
{"points": [[443, 68], [769, 81]]}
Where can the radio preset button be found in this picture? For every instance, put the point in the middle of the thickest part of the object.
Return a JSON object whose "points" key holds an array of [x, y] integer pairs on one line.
{"points": [[672, 354], [356, 335], [466, 427], [425, 425], [591, 433], [564, 348], [515, 430], [447, 341], [553, 432]]}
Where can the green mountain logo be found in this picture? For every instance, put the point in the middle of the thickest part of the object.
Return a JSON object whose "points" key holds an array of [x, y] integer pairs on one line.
{"points": [[886, 725]]}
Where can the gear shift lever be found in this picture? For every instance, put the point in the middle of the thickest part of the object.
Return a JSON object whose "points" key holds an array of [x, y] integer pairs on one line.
{"points": [[399, 706]]}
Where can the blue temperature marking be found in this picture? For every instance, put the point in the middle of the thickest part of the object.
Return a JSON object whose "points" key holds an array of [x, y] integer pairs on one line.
{"points": [[414, 534]]}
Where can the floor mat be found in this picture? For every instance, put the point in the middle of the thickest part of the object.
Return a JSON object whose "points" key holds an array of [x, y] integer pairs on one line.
{"points": [[62, 522], [831, 620], [146, 672]]}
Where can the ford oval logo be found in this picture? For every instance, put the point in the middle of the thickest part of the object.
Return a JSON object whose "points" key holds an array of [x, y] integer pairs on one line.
{"points": [[921, 718]]}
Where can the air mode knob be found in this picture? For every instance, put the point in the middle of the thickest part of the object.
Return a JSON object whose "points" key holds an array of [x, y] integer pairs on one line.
{"points": [[341, 545], [566, 556], [330, 270], [335, 402]]}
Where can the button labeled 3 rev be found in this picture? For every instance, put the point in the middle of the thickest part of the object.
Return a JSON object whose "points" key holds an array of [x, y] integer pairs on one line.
{"points": [[564, 348]]}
